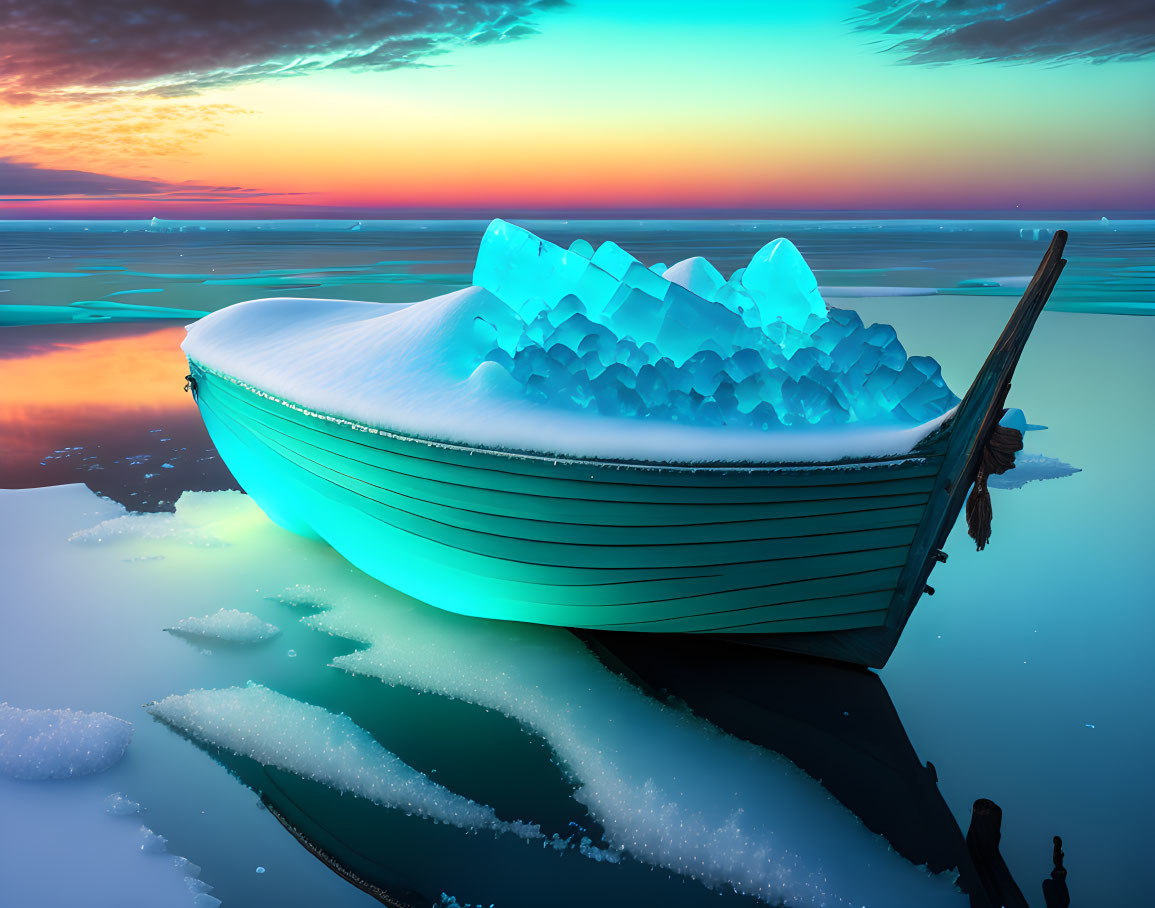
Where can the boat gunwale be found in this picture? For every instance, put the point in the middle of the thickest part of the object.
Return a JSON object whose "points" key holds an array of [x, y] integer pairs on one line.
{"points": [[927, 448], [245, 420]]}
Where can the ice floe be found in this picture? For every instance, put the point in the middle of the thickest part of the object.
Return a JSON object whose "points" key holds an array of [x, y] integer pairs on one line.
{"points": [[59, 743], [229, 625], [1031, 468]]}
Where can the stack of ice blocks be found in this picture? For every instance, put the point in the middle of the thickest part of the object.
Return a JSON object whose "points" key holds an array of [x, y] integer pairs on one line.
{"points": [[599, 330]]}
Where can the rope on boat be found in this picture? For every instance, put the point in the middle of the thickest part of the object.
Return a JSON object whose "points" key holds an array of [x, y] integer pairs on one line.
{"points": [[998, 457]]}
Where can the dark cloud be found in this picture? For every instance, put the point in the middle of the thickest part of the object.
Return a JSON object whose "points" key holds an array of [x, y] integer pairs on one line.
{"points": [[31, 181], [28, 179], [81, 48], [1013, 31]]}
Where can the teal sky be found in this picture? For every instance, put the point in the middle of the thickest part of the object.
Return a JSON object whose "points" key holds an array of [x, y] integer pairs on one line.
{"points": [[602, 105]]}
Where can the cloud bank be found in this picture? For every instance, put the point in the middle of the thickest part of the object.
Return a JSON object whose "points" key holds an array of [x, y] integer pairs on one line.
{"points": [[1013, 31], [77, 49], [26, 181]]}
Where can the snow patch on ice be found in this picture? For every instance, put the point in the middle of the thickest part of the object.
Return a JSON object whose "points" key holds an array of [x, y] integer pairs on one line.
{"points": [[156, 526], [314, 743], [302, 595], [230, 625], [118, 804], [199, 520], [59, 743]]}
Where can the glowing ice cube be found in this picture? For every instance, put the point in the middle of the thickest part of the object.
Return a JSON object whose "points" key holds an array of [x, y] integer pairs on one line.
{"points": [[782, 284], [696, 275]]}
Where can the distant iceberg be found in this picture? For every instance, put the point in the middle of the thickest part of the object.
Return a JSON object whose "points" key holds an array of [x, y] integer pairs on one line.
{"points": [[156, 225]]}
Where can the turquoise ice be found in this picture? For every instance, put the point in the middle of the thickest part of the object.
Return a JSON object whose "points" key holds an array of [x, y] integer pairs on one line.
{"points": [[595, 329]]}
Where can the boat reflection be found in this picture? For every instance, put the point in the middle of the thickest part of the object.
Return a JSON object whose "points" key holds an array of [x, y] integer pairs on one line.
{"points": [[833, 720], [671, 756]]}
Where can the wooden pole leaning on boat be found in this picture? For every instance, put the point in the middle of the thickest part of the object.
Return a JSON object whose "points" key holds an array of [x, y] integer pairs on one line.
{"points": [[987, 396]]}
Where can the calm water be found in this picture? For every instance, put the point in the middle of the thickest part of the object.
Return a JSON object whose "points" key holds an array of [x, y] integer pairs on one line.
{"points": [[1026, 679]]}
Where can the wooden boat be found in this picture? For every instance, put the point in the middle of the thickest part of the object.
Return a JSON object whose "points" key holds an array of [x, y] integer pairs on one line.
{"points": [[823, 559]]}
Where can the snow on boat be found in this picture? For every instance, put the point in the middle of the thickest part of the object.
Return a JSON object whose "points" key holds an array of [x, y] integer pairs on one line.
{"points": [[582, 441]]}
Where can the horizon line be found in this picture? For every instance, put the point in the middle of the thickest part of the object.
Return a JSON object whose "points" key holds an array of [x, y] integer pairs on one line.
{"points": [[247, 213]]}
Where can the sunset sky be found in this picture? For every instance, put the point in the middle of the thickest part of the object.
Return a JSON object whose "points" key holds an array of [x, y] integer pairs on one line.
{"points": [[270, 108]]}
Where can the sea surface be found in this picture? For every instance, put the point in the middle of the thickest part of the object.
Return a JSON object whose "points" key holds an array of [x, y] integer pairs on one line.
{"points": [[387, 750]]}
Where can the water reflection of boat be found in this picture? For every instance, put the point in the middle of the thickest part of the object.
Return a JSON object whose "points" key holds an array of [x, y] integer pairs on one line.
{"points": [[835, 723], [823, 559]]}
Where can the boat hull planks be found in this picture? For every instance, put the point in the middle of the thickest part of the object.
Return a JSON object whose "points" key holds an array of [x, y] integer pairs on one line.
{"points": [[579, 543]]}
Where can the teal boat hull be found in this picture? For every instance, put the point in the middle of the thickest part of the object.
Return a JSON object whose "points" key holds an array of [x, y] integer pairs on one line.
{"points": [[823, 559], [580, 543]]}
